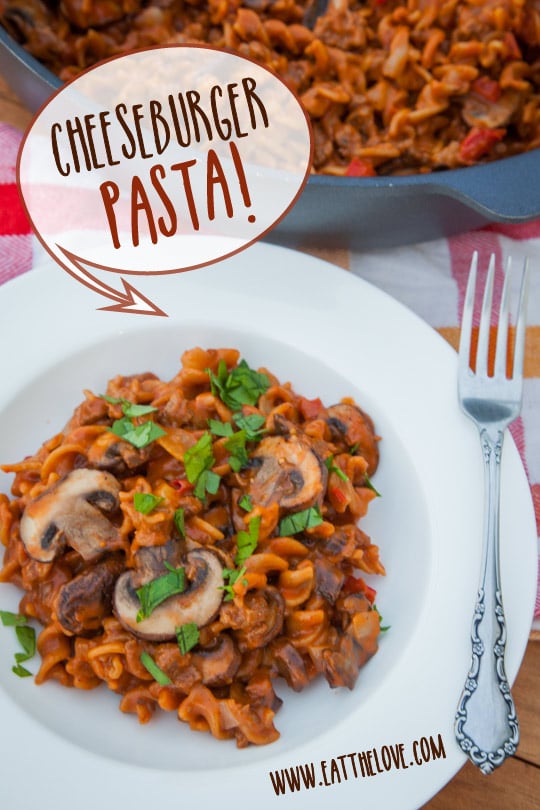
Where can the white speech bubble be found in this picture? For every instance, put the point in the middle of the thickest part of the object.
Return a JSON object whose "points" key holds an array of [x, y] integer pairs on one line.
{"points": [[163, 160]]}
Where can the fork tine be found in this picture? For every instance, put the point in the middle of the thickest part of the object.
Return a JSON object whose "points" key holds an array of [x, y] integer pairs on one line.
{"points": [[485, 322], [501, 349], [519, 349], [467, 317]]}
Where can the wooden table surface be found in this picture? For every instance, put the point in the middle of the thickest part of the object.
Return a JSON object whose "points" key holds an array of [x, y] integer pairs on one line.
{"points": [[514, 786]]}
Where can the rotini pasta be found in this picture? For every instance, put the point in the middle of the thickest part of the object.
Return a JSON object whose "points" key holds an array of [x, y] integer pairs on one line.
{"points": [[187, 542]]}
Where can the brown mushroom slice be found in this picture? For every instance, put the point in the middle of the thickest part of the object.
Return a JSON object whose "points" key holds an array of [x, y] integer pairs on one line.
{"points": [[479, 112], [150, 560], [339, 666], [197, 604], [290, 473], [117, 456], [329, 579], [260, 689], [70, 512], [82, 604], [218, 663], [263, 616], [348, 423], [290, 664]]}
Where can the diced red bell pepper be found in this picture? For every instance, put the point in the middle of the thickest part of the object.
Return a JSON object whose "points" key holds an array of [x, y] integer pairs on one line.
{"points": [[354, 584], [338, 496], [487, 88], [512, 47], [360, 168], [310, 408], [181, 485], [479, 142], [371, 593]]}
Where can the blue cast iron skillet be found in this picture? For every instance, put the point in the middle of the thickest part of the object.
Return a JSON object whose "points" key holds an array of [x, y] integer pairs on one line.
{"points": [[361, 213]]}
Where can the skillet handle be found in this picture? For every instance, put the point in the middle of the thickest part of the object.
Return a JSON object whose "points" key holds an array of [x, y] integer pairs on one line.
{"points": [[504, 191]]}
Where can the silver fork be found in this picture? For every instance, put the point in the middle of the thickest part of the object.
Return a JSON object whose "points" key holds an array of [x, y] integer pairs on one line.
{"points": [[486, 725]]}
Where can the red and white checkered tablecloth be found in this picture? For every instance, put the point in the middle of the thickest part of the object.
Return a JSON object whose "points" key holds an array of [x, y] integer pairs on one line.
{"points": [[429, 278]]}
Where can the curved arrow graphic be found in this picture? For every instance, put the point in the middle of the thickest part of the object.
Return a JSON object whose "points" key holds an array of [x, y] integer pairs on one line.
{"points": [[130, 300]]}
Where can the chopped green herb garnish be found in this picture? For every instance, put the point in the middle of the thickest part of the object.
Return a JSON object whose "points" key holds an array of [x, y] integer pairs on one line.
{"points": [[21, 671], [198, 461], [179, 521], [236, 441], [236, 445], [187, 636], [145, 502], [150, 665], [26, 637], [10, 619], [130, 409], [112, 400], [138, 435], [232, 575], [246, 503], [381, 628], [246, 542], [208, 482], [240, 386], [212, 482], [331, 467], [251, 424], [133, 410], [369, 485], [220, 428], [298, 522], [153, 593], [199, 458]]}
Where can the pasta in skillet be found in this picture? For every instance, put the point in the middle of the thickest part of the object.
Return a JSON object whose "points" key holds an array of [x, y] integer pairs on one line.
{"points": [[187, 542], [391, 87]]}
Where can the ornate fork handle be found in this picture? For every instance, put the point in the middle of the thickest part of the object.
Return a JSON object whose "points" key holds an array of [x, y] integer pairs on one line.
{"points": [[486, 724]]}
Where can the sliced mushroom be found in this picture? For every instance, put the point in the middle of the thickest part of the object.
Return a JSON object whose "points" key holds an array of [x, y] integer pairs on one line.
{"points": [[150, 560], [479, 112], [262, 619], [218, 663], [290, 664], [278, 424], [289, 473], [328, 579], [260, 690], [340, 667], [198, 603], [117, 456], [83, 603], [70, 512], [23, 18], [349, 424]]}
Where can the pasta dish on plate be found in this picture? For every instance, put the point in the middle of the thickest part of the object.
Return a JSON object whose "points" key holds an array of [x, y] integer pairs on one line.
{"points": [[188, 542]]}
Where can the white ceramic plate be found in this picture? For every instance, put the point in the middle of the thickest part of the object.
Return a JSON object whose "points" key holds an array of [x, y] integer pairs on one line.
{"points": [[331, 335]]}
